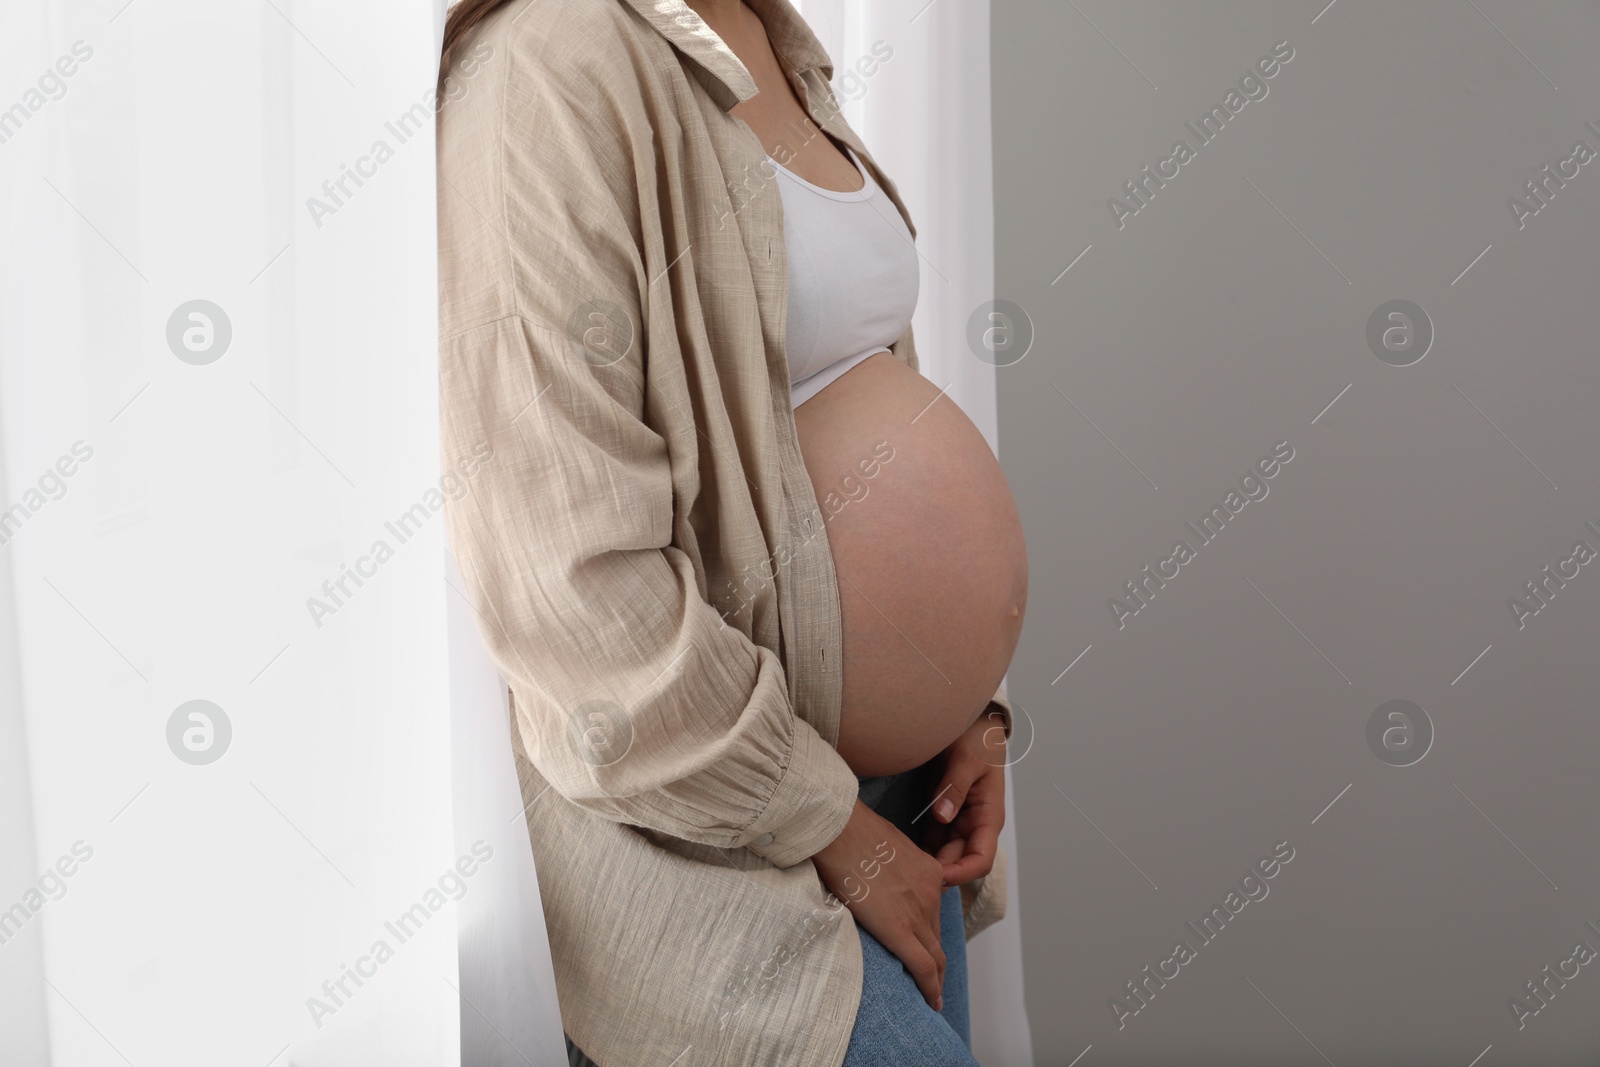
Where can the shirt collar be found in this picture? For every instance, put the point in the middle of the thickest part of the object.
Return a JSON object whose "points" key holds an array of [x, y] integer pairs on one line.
{"points": [[727, 79]]}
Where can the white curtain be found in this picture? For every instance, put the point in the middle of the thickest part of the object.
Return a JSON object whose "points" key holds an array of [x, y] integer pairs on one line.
{"points": [[169, 521], [924, 113]]}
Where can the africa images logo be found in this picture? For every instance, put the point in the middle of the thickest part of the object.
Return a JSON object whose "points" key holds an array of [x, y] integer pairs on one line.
{"points": [[1252, 86], [1253, 888], [1252, 487]]}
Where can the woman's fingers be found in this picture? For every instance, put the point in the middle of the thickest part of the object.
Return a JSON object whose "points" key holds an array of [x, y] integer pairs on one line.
{"points": [[975, 861], [978, 825], [951, 851], [926, 969], [915, 940], [926, 914], [948, 800], [929, 931], [961, 772]]}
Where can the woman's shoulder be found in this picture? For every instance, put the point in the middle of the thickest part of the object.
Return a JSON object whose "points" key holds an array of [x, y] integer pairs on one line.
{"points": [[540, 151], [597, 41], [542, 88]]}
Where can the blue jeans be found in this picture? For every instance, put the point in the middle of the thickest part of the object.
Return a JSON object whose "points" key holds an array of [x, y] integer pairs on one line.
{"points": [[895, 1026]]}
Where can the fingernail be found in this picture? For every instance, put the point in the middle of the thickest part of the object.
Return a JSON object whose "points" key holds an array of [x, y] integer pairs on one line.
{"points": [[938, 1005], [946, 809]]}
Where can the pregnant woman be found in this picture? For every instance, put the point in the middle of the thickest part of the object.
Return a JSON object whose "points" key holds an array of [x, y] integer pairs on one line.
{"points": [[753, 581]]}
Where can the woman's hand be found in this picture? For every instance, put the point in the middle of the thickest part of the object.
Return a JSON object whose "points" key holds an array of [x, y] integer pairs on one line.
{"points": [[893, 889], [969, 805]]}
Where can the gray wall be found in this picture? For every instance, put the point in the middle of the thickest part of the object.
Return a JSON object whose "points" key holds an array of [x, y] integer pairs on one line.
{"points": [[1223, 718]]}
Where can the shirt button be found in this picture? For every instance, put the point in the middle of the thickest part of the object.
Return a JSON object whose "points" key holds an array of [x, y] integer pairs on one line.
{"points": [[764, 839]]}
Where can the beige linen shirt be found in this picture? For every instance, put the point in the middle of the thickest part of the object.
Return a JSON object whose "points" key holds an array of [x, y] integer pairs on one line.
{"points": [[641, 541]]}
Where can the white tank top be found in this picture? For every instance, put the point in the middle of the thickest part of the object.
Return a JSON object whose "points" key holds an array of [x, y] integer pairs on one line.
{"points": [[853, 277]]}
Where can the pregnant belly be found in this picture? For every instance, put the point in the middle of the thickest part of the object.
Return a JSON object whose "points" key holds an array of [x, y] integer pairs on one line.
{"points": [[927, 544]]}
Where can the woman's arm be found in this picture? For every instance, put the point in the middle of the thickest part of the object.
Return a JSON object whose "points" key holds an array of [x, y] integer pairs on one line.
{"points": [[565, 538]]}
